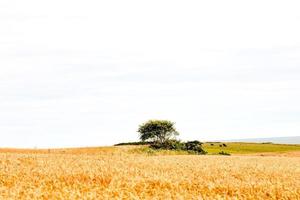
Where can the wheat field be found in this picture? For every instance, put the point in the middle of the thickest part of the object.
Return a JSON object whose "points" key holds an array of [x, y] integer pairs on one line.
{"points": [[113, 173]]}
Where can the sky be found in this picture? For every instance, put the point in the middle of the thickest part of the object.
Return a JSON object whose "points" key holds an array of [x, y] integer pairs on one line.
{"points": [[87, 73]]}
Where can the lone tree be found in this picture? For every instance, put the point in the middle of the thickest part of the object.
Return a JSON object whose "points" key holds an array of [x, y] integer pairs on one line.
{"points": [[157, 131]]}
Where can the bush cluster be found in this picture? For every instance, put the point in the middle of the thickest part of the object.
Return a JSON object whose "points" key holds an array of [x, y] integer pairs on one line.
{"points": [[190, 146], [224, 153], [133, 143], [223, 145]]}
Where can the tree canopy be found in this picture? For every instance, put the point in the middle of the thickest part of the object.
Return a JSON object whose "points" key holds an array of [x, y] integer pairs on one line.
{"points": [[158, 131]]}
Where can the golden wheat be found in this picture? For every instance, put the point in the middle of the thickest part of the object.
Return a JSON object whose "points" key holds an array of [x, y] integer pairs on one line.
{"points": [[111, 173]]}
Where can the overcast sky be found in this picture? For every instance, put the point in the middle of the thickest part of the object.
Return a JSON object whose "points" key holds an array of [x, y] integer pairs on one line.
{"points": [[87, 73]]}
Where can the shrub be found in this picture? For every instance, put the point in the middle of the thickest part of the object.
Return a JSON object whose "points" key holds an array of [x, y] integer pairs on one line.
{"points": [[224, 145], [191, 146], [169, 145], [194, 146], [134, 143], [224, 153]]}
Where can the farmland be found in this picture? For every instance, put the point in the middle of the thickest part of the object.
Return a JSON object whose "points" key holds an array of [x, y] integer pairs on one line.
{"points": [[249, 148], [233, 148], [118, 173]]}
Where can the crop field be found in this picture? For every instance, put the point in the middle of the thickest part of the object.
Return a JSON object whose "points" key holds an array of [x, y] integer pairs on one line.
{"points": [[249, 148], [117, 173]]}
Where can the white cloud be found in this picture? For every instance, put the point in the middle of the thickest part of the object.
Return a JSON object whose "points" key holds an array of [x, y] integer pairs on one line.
{"points": [[76, 73]]}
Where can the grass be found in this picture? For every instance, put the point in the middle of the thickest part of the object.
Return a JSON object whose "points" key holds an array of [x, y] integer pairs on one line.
{"points": [[232, 148], [125, 173], [155, 152], [249, 148]]}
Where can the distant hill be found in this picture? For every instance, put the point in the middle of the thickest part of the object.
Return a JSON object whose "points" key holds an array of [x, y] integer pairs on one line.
{"points": [[278, 140]]}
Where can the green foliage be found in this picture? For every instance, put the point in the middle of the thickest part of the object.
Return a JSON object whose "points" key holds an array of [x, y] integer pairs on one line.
{"points": [[191, 146], [224, 153], [133, 143], [195, 146], [143, 150], [154, 152], [158, 131], [169, 144], [248, 148]]}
